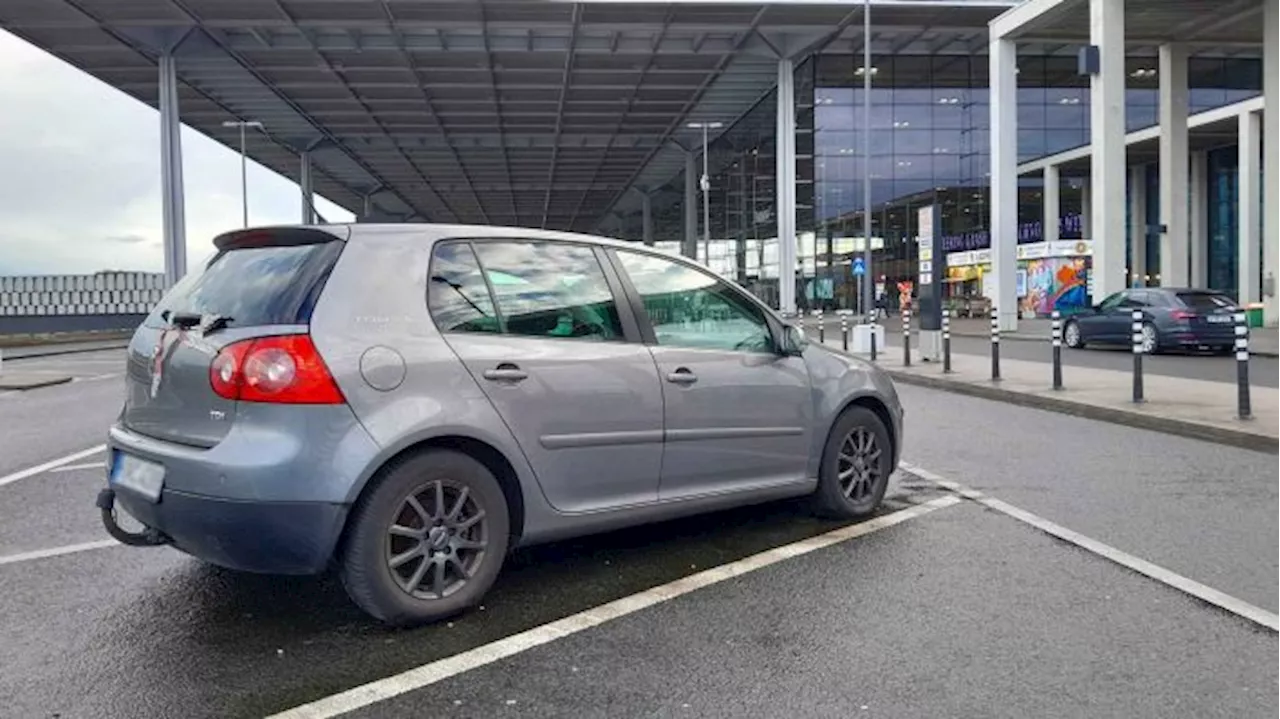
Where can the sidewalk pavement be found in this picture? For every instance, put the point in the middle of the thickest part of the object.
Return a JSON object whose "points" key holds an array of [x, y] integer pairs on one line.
{"points": [[1263, 341], [1191, 408], [50, 349]]}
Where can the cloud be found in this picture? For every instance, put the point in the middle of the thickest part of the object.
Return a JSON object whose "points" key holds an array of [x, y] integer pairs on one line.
{"points": [[81, 186]]}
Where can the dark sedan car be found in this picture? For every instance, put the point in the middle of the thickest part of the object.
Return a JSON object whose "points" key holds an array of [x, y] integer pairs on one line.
{"points": [[1172, 319]]}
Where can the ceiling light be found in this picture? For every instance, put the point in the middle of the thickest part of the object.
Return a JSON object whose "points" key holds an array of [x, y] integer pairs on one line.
{"points": [[862, 71], [1143, 73], [1069, 101]]}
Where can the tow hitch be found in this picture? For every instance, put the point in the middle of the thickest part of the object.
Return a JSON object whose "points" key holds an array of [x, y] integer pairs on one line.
{"points": [[149, 537]]}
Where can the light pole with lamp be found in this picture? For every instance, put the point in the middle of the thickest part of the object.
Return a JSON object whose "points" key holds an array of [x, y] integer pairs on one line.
{"points": [[244, 125], [867, 299], [705, 184]]}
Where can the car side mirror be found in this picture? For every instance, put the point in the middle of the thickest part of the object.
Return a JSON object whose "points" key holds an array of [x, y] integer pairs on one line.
{"points": [[792, 342]]}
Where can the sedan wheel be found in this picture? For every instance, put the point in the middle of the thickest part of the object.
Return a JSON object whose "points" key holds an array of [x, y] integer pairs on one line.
{"points": [[856, 464], [426, 540], [1150, 339], [1071, 334]]}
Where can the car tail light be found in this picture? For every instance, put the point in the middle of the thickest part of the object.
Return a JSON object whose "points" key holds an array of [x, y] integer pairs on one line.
{"points": [[285, 370], [1183, 315]]}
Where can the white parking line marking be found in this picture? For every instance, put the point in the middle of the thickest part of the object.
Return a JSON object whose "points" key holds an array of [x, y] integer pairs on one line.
{"points": [[33, 471], [58, 551], [77, 467], [1205, 593], [428, 674]]}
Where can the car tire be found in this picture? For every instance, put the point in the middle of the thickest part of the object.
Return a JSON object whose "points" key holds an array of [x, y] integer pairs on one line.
{"points": [[1071, 335], [388, 593], [848, 489], [1149, 331]]}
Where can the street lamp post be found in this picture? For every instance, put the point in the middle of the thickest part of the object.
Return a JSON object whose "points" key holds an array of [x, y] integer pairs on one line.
{"points": [[244, 125], [705, 184], [868, 287]]}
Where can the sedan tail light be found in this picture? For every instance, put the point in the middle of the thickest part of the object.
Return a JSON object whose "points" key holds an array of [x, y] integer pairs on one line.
{"points": [[286, 369], [1183, 315]]}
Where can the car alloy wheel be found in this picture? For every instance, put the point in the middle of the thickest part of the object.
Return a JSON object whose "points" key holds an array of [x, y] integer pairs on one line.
{"points": [[437, 539], [858, 465], [1150, 339], [1072, 334]]}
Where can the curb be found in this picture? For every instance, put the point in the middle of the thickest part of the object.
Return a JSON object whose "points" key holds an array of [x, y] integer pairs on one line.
{"points": [[1045, 339], [23, 386], [1219, 435]]}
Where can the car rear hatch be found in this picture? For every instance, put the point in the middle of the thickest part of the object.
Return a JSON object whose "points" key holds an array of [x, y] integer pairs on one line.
{"points": [[1209, 313], [259, 283]]}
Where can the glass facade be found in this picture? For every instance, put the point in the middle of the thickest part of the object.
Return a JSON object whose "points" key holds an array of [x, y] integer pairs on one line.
{"points": [[929, 136]]}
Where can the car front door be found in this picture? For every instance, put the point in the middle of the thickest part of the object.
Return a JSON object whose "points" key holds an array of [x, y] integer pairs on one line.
{"points": [[537, 325], [1100, 324], [738, 414]]}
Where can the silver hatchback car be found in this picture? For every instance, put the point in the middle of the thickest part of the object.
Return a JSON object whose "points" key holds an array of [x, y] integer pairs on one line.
{"points": [[410, 402]]}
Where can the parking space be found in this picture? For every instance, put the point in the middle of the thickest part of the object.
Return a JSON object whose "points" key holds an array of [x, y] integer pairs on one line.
{"points": [[949, 609]]}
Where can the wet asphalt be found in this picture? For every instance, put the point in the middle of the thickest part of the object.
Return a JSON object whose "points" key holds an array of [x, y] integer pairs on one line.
{"points": [[960, 612]]}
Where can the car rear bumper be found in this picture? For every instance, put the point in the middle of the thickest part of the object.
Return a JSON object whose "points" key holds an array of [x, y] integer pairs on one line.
{"points": [[1194, 338], [266, 537]]}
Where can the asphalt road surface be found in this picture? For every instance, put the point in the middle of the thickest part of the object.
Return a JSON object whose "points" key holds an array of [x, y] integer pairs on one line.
{"points": [[940, 606], [1263, 371]]}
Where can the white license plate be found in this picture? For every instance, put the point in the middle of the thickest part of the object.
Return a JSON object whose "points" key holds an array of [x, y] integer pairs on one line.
{"points": [[139, 475], [1220, 319]]}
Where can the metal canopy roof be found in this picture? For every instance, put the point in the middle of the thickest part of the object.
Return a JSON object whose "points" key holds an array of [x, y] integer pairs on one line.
{"points": [[510, 112], [1198, 23]]}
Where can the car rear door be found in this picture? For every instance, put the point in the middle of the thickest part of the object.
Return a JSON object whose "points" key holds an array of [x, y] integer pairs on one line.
{"points": [[738, 414], [537, 325], [258, 283]]}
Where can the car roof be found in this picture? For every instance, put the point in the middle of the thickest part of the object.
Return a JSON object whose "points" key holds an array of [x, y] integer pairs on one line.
{"points": [[436, 232]]}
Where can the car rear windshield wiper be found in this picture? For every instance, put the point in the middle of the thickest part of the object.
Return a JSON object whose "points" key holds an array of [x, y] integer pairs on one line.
{"points": [[185, 320], [213, 323]]}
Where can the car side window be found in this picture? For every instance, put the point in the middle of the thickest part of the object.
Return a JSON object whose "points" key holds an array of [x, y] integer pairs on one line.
{"points": [[456, 294], [1136, 298], [691, 308], [550, 289]]}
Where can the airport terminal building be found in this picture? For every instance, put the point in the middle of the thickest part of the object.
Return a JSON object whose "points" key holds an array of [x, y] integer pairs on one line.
{"points": [[1072, 148]]}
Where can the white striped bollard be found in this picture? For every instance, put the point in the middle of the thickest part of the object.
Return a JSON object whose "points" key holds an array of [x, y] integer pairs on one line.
{"points": [[822, 328], [844, 332], [906, 337], [1136, 328], [1244, 407], [1057, 349], [995, 345], [946, 341]]}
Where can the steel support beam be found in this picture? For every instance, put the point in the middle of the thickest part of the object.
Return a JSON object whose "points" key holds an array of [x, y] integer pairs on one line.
{"points": [[171, 190], [1107, 132], [306, 188], [1198, 220], [1138, 272], [1174, 159], [690, 207], [1052, 204], [646, 218], [1003, 57], [785, 144]]}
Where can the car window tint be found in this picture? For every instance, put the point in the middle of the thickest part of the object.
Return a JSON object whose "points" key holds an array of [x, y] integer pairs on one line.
{"points": [[1206, 301], [550, 289], [1135, 298], [691, 308], [255, 286], [457, 295]]}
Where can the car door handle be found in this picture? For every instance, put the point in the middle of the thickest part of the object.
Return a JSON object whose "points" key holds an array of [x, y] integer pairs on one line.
{"points": [[682, 376], [506, 372]]}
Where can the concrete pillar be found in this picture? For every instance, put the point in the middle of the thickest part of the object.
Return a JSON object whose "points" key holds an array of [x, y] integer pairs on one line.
{"points": [[1138, 273], [171, 192], [1107, 131], [1247, 267], [1052, 204], [308, 193], [1198, 220], [690, 248], [785, 152], [1271, 116], [1003, 58], [646, 218], [1174, 151], [1086, 210]]}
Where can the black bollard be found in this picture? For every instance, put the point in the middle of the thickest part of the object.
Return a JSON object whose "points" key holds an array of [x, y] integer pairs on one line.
{"points": [[822, 328], [946, 341], [1057, 349], [873, 343], [844, 332], [906, 337], [1137, 357], [995, 345], [1244, 407]]}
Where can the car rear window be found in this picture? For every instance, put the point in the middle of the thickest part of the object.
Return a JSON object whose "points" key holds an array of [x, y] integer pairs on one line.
{"points": [[255, 286], [1206, 301]]}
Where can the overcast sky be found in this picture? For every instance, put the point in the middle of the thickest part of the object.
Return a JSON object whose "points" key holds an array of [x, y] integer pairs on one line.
{"points": [[80, 175]]}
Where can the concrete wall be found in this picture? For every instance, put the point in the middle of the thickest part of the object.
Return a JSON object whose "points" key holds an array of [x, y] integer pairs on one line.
{"points": [[101, 294]]}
